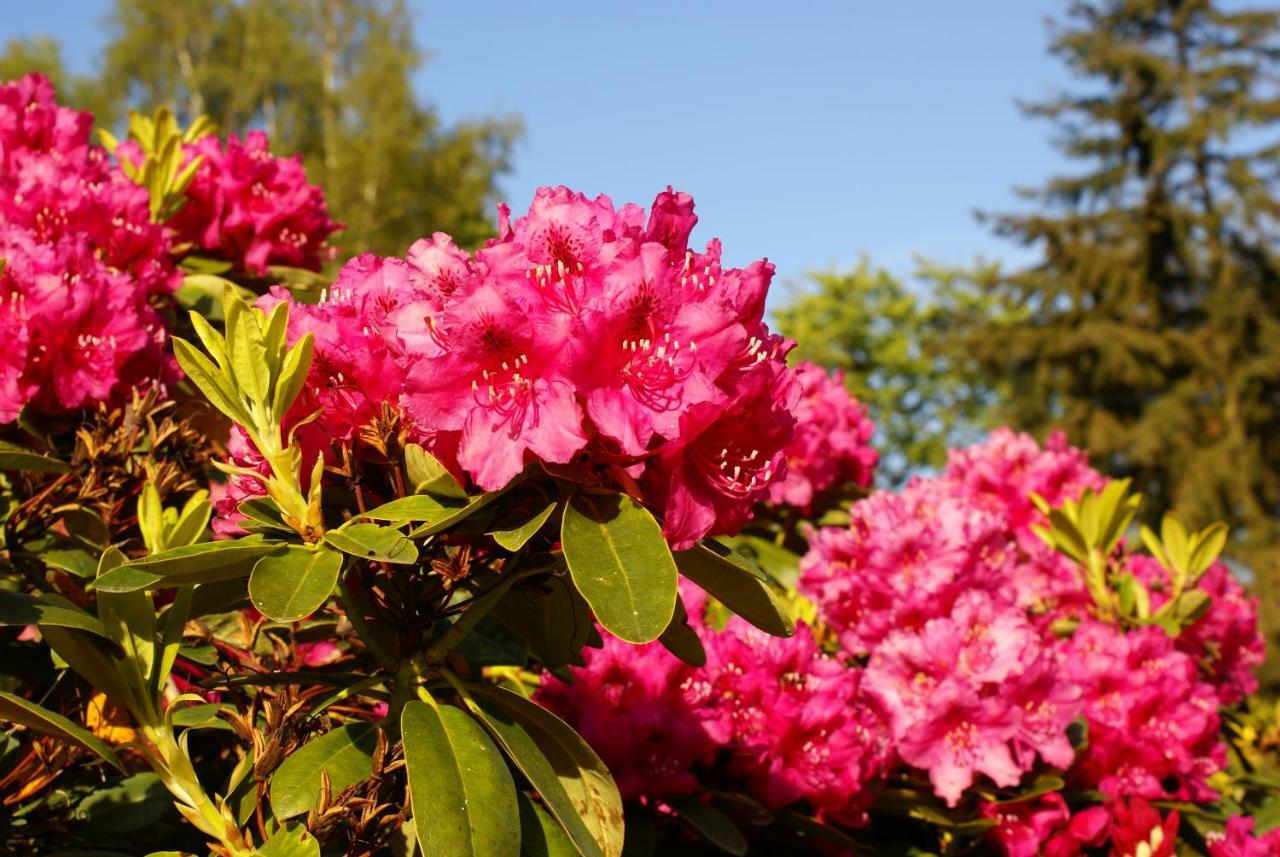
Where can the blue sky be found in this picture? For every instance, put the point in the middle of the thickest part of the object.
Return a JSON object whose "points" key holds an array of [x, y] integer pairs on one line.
{"points": [[809, 132]]}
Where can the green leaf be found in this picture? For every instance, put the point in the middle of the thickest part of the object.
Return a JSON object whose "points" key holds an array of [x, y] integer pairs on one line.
{"points": [[291, 840], [151, 518], [428, 476], [712, 824], [15, 709], [416, 507], [89, 656], [13, 457], [523, 750], [346, 754], [585, 778], [211, 382], [463, 796], [294, 581], [474, 504], [515, 537], [130, 617], [370, 541], [551, 618], [621, 564], [737, 585], [247, 350], [199, 563], [73, 560], [540, 835], [192, 522], [264, 512], [293, 374], [1209, 544], [681, 640], [17, 608]]}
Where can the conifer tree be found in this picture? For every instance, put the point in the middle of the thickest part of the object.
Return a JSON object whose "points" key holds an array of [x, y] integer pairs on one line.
{"points": [[1152, 318]]}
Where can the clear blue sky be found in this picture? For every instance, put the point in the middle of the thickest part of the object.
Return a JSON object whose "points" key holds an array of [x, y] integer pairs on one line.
{"points": [[809, 132]]}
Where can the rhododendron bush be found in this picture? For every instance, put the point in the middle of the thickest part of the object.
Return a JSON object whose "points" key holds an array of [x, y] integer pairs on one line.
{"points": [[542, 548]]}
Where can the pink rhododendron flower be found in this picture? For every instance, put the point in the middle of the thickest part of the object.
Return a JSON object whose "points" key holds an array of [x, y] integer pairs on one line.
{"points": [[831, 442], [797, 721], [973, 693], [632, 705], [252, 208], [1238, 840], [1225, 642], [1153, 724], [580, 337], [1023, 828], [1138, 830], [82, 259]]}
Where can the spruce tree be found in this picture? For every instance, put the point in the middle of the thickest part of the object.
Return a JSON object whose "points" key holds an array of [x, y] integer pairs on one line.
{"points": [[1152, 317]]}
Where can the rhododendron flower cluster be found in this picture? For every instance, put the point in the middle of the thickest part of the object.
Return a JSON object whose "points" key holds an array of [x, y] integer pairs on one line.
{"points": [[974, 692], [959, 606], [792, 722], [253, 208], [81, 261], [831, 445], [582, 337]]}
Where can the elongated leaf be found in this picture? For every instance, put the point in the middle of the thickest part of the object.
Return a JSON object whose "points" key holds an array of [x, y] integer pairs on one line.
{"points": [[417, 507], [516, 536], [14, 457], [17, 608], [247, 351], [91, 657], [737, 585], [621, 564], [429, 476], [15, 709], [291, 840], [540, 834], [681, 640], [209, 378], [712, 824], [552, 619], [199, 563], [151, 518], [370, 541], [475, 504], [294, 581], [293, 374], [346, 754], [463, 796], [585, 778], [524, 751], [192, 522]]}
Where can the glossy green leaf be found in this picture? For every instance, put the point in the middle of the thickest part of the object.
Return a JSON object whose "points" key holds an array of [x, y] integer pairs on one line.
{"points": [[428, 476], [291, 840], [293, 374], [463, 796], [712, 824], [151, 518], [585, 778], [540, 834], [294, 581], [13, 457], [518, 534], [523, 750], [199, 563], [737, 585], [459, 514], [372, 542], [621, 564], [210, 381], [191, 523], [552, 619], [15, 709], [91, 657], [416, 507], [17, 608], [681, 640], [346, 754]]}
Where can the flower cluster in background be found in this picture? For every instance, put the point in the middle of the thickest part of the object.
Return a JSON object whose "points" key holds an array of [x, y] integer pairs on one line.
{"points": [[82, 260], [832, 442], [582, 336], [960, 647], [252, 208]]}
